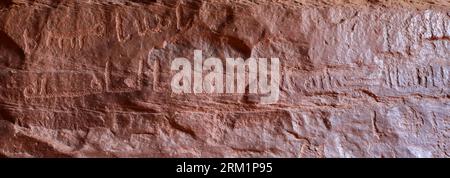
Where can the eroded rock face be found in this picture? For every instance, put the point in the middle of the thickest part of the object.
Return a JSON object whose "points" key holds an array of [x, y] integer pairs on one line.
{"points": [[91, 78]]}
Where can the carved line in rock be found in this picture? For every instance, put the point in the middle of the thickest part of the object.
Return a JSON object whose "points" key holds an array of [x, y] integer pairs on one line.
{"points": [[324, 81], [150, 24], [70, 28], [340, 79], [410, 77], [56, 84], [428, 26], [403, 78], [74, 42]]}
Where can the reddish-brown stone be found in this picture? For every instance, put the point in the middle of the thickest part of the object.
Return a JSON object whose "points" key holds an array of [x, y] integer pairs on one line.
{"points": [[91, 78]]}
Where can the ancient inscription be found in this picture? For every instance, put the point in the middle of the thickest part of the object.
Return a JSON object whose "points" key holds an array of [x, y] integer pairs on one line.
{"points": [[416, 77], [71, 28], [408, 35], [56, 84], [336, 79], [140, 23]]}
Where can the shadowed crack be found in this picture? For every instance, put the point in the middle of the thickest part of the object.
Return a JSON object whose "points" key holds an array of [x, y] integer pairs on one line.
{"points": [[11, 54]]}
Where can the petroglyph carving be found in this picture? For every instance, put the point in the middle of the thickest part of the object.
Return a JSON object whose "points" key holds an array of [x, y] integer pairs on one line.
{"points": [[141, 23], [412, 76], [74, 41], [63, 84], [70, 29], [324, 81], [29, 43], [338, 80], [155, 68], [415, 31]]}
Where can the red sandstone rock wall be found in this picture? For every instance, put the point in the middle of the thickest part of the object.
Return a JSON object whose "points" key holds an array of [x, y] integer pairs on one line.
{"points": [[91, 78]]}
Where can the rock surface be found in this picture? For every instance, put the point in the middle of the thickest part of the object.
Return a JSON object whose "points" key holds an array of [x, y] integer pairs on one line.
{"points": [[91, 78]]}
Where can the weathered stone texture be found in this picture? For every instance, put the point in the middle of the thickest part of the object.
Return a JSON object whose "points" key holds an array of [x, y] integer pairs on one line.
{"points": [[91, 78]]}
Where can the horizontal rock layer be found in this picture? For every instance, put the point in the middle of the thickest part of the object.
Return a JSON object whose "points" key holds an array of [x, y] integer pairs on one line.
{"points": [[91, 78]]}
